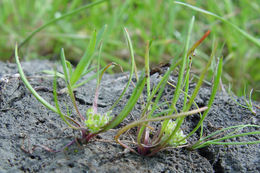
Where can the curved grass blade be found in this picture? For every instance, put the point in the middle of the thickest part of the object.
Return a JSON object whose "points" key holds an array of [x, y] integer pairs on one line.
{"points": [[183, 66], [55, 97], [130, 47], [129, 106], [136, 123], [192, 98], [84, 60], [195, 45], [97, 88], [179, 84], [69, 87], [242, 32], [92, 77], [99, 41], [201, 144], [161, 86], [28, 85], [212, 97], [88, 71], [30, 88], [100, 35]]}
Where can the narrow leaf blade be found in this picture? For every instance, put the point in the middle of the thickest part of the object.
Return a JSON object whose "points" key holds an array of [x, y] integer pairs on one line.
{"points": [[84, 60]]}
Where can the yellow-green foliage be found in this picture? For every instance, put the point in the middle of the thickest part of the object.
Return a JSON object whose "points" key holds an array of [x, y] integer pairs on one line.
{"points": [[95, 121], [177, 137]]}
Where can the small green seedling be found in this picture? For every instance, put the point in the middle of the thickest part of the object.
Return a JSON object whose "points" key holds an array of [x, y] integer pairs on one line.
{"points": [[93, 122], [249, 105], [214, 139]]}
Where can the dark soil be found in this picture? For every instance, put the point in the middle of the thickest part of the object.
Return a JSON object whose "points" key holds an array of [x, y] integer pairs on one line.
{"points": [[25, 122]]}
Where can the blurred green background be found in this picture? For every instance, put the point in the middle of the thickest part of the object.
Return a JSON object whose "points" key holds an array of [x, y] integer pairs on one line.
{"points": [[159, 20]]}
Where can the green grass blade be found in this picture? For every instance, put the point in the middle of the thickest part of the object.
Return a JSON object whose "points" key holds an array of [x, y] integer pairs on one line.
{"points": [[28, 85], [186, 83], [192, 98], [212, 97], [242, 32], [161, 86], [136, 123], [98, 65], [55, 97], [235, 143], [100, 35], [84, 60], [36, 95], [234, 136], [147, 69], [184, 60], [129, 106], [60, 18], [69, 68], [99, 77], [227, 128], [99, 39], [199, 83], [92, 77], [64, 66], [179, 84], [130, 47], [69, 87], [88, 70], [148, 89], [201, 144], [51, 72]]}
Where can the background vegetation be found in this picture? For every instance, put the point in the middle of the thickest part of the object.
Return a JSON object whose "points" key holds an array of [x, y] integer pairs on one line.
{"points": [[159, 20]]}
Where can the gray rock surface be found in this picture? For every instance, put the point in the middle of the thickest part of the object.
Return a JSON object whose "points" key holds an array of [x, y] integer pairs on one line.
{"points": [[25, 122]]}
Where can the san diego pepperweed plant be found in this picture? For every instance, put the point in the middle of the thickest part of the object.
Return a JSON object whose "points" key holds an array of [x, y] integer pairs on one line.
{"points": [[93, 122], [170, 133]]}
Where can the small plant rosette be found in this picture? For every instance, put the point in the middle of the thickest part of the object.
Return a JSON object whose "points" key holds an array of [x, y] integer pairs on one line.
{"points": [[95, 121], [179, 135]]}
